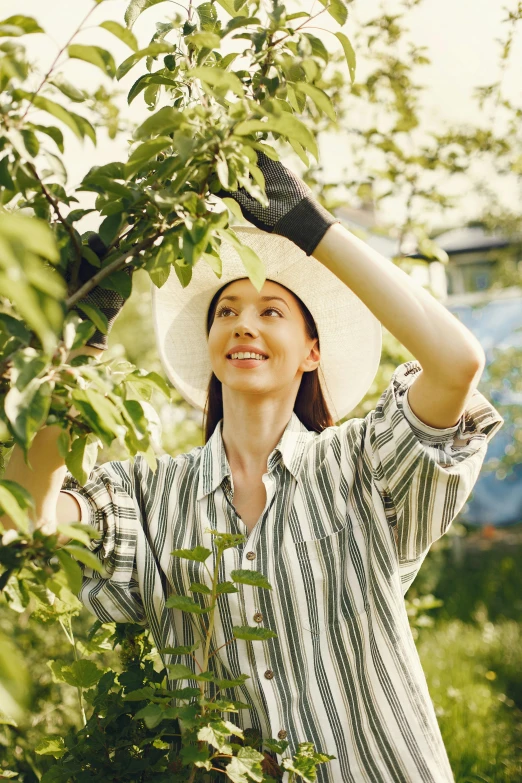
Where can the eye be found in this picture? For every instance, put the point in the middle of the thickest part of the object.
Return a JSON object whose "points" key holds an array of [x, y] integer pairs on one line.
{"points": [[222, 309], [225, 308]]}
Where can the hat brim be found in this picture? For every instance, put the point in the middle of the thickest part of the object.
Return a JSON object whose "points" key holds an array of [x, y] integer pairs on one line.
{"points": [[350, 336]]}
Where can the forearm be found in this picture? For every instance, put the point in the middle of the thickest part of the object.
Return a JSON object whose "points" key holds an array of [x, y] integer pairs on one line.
{"points": [[44, 475], [443, 346], [43, 479]]}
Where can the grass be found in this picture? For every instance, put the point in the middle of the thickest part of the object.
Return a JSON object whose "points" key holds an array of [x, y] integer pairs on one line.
{"points": [[474, 674]]}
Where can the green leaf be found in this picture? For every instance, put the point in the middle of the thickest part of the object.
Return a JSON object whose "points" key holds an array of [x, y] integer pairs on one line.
{"points": [[226, 587], [84, 332], [68, 89], [51, 746], [78, 532], [54, 133], [186, 604], [318, 47], [26, 24], [31, 143], [15, 328], [137, 7], [319, 97], [146, 80], [349, 53], [287, 125], [146, 152], [123, 33], [246, 766], [246, 577], [228, 5], [152, 715], [65, 116], [250, 633], [216, 77], [216, 734], [165, 119], [101, 414], [198, 587], [153, 50], [95, 315], [305, 762], [73, 572], [26, 409], [204, 39], [14, 501], [253, 264], [110, 228], [84, 556], [148, 381], [82, 457], [32, 233], [120, 282], [140, 694], [337, 10], [95, 55], [199, 553], [178, 671], [82, 674]]}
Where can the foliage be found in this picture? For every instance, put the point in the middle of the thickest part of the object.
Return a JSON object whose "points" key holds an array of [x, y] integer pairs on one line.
{"points": [[474, 680], [158, 215]]}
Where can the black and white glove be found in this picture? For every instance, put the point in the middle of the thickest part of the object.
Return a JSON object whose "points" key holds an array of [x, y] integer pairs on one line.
{"points": [[109, 302], [292, 210]]}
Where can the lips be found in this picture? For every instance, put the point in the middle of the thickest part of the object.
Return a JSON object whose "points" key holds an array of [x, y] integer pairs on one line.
{"points": [[244, 349]]}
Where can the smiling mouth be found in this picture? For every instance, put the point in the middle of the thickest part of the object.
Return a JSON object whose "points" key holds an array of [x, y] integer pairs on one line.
{"points": [[242, 356]]}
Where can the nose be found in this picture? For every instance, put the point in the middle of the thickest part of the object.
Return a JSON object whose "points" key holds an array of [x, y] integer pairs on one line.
{"points": [[245, 326]]}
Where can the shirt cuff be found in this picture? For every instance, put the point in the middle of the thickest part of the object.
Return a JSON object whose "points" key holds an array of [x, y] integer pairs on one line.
{"points": [[84, 508], [426, 431]]}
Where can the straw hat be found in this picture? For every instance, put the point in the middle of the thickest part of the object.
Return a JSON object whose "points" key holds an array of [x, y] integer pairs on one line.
{"points": [[350, 337]]}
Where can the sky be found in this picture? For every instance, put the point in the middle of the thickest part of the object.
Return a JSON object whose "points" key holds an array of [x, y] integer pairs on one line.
{"points": [[460, 36]]}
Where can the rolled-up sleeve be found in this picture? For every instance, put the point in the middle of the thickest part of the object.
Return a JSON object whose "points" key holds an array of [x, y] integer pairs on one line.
{"points": [[425, 474], [108, 505]]}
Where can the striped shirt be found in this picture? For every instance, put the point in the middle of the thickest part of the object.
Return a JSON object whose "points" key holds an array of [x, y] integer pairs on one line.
{"points": [[350, 515]]}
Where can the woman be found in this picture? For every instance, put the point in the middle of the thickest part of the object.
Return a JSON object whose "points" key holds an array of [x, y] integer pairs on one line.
{"points": [[339, 517]]}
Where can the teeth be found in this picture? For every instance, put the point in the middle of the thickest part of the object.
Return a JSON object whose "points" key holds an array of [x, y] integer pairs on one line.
{"points": [[247, 355]]}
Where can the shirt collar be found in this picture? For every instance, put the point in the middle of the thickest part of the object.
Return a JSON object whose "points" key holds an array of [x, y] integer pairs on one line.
{"points": [[214, 465]]}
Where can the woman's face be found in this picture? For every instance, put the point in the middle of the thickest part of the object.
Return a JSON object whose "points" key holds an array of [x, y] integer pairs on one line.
{"points": [[269, 324]]}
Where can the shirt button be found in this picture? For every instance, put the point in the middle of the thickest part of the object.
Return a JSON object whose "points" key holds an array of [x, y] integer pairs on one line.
{"points": [[250, 555], [282, 734], [269, 674], [258, 617]]}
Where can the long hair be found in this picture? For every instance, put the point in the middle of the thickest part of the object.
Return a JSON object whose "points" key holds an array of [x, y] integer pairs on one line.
{"points": [[310, 405]]}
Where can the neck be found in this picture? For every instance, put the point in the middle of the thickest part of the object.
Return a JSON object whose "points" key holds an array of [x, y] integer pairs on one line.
{"points": [[251, 431]]}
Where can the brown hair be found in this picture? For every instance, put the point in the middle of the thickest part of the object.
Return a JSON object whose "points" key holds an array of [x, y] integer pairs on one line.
{"points": [[310, 404]]}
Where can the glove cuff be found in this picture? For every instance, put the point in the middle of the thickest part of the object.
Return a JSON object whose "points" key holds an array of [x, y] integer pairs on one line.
{"points": [[305, 224], [98, 340]]}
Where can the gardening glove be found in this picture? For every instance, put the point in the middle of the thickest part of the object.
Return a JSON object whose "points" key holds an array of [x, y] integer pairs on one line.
{"points": [[109, 302], [292, 210]]}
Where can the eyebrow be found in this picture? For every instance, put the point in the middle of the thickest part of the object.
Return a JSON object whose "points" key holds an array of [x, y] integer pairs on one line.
{"points": [[263, 299]]}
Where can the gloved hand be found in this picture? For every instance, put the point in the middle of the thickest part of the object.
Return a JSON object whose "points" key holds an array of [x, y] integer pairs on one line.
{"points": [[109, 302], [292, 210]]}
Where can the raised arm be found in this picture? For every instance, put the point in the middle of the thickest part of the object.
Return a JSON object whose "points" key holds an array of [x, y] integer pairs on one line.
{"points": [[451, 358], [45, 477]]}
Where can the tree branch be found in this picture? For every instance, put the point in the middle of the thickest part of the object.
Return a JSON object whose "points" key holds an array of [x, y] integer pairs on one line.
{"points": [[54, 203], [118, 262], [53, 64]]}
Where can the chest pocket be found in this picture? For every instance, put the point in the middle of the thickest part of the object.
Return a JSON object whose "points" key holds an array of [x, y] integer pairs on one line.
{"points": [[334, 578]]}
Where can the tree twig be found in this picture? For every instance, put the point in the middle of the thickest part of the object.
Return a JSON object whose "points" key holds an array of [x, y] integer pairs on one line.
{"points": [[54, 203], [82, 292], [53, 64]]}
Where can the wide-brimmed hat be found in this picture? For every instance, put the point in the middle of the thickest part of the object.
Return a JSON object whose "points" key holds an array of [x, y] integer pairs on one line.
{"points": [[350, 336]]}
